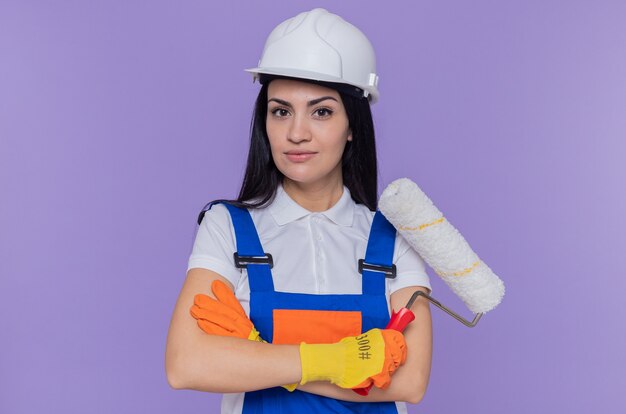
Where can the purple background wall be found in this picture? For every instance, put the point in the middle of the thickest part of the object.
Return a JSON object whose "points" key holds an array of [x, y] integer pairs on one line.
{"points": [[119, 120]]}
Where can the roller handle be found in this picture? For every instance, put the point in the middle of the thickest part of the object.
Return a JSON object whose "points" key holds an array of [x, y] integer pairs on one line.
{"points": [[399, 320]]}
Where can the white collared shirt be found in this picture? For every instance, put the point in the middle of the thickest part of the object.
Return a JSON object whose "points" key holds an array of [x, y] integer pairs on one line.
{"points": [[313, 252]]}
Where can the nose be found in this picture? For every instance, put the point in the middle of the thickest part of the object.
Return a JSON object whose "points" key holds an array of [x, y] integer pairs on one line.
{"points": [[299, 130]]}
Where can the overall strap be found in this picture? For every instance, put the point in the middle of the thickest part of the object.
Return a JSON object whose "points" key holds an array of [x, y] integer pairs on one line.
{"points": [[249, 247], [379, 254], [207, 207]]}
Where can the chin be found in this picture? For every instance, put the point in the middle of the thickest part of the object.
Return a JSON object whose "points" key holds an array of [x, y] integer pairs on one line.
{"points": [[305, 174], [295, 173], [301, 177]]}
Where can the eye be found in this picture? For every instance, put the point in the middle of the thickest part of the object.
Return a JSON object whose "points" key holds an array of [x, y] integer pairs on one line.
{"points": [[279, 112], [323, 112]]}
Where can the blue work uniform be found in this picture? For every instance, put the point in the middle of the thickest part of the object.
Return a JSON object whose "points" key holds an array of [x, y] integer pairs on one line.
{"points": [[292, 318]]}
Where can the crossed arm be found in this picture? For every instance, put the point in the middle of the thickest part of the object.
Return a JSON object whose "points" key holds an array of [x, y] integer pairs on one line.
{"points": [[195, 360]]}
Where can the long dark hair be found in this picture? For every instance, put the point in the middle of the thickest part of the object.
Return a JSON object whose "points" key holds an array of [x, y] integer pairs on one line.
{"points": [[359, 165]]}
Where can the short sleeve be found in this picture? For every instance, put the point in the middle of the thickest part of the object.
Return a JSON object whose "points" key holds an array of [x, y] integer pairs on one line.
{"points": [[411, 269], [214, 245]]}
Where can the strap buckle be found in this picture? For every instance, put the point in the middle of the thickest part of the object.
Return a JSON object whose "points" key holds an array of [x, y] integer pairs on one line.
{"points": [[242, 261], [389, 271]]}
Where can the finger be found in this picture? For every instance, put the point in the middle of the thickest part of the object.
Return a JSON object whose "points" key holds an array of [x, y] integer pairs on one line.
{"points": [[364, 384], [382, 380], [201, 313], [211, 305], [227, 323], [210, 314], [395, 344], [241, 327], [230, 330], [403, 350], [397, 355], [203, 300], [196, 312], [213, 329], [226, 296]]}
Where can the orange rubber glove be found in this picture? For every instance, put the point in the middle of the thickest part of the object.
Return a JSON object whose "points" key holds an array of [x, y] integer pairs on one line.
{"points": [[395, 355], [225, 316]]}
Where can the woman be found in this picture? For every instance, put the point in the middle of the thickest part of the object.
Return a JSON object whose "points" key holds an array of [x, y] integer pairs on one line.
{"points": [[304, 218]]}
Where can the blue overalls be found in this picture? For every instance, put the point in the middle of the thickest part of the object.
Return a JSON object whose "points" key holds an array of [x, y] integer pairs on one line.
{"points": [[283, 317]]}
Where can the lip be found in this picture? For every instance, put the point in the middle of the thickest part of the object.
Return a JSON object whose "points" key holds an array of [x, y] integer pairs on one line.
{"points": [[300, 156]]}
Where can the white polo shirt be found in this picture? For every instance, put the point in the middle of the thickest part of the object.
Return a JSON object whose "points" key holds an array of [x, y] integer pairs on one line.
{"points": [[313, 252]]}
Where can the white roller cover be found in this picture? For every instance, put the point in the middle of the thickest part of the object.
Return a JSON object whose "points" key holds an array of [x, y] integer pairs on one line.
{"points": [[441, 246]]}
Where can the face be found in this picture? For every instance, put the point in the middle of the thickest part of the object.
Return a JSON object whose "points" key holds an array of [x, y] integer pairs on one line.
{"points": [[308, 129]]}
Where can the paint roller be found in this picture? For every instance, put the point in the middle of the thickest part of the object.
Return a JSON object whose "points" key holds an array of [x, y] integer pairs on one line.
{"points": [[442, 247]]}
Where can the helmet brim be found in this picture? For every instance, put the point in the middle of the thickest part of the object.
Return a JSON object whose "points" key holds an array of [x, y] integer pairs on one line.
{"points": [[303, 74], [296, 73]]}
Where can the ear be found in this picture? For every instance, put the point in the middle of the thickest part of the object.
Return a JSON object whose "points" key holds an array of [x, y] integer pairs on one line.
{"points": [[349, 135]]}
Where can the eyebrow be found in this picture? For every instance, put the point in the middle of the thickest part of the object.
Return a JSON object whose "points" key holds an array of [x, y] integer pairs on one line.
{"points": [[310, 103]]}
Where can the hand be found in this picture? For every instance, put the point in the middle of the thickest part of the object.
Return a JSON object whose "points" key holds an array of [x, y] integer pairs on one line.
{"points": [[225, 316], [355, 361]]}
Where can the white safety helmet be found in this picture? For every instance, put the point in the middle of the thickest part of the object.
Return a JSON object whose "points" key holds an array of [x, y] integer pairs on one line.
{"points": [[321, 46]]}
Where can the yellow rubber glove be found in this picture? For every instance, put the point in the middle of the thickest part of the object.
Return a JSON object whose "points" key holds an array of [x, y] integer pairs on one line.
{"points": [[225, 316], [355, 361]]}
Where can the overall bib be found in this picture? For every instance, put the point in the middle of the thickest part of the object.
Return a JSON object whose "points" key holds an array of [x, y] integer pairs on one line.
{"points": [[292, 318]]}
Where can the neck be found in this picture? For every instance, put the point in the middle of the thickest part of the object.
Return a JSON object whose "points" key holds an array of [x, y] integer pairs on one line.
{"points": [[319, 196]]}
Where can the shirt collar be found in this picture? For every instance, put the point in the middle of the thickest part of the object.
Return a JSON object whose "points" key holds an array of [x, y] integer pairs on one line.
{"points": [[285, 210]]}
